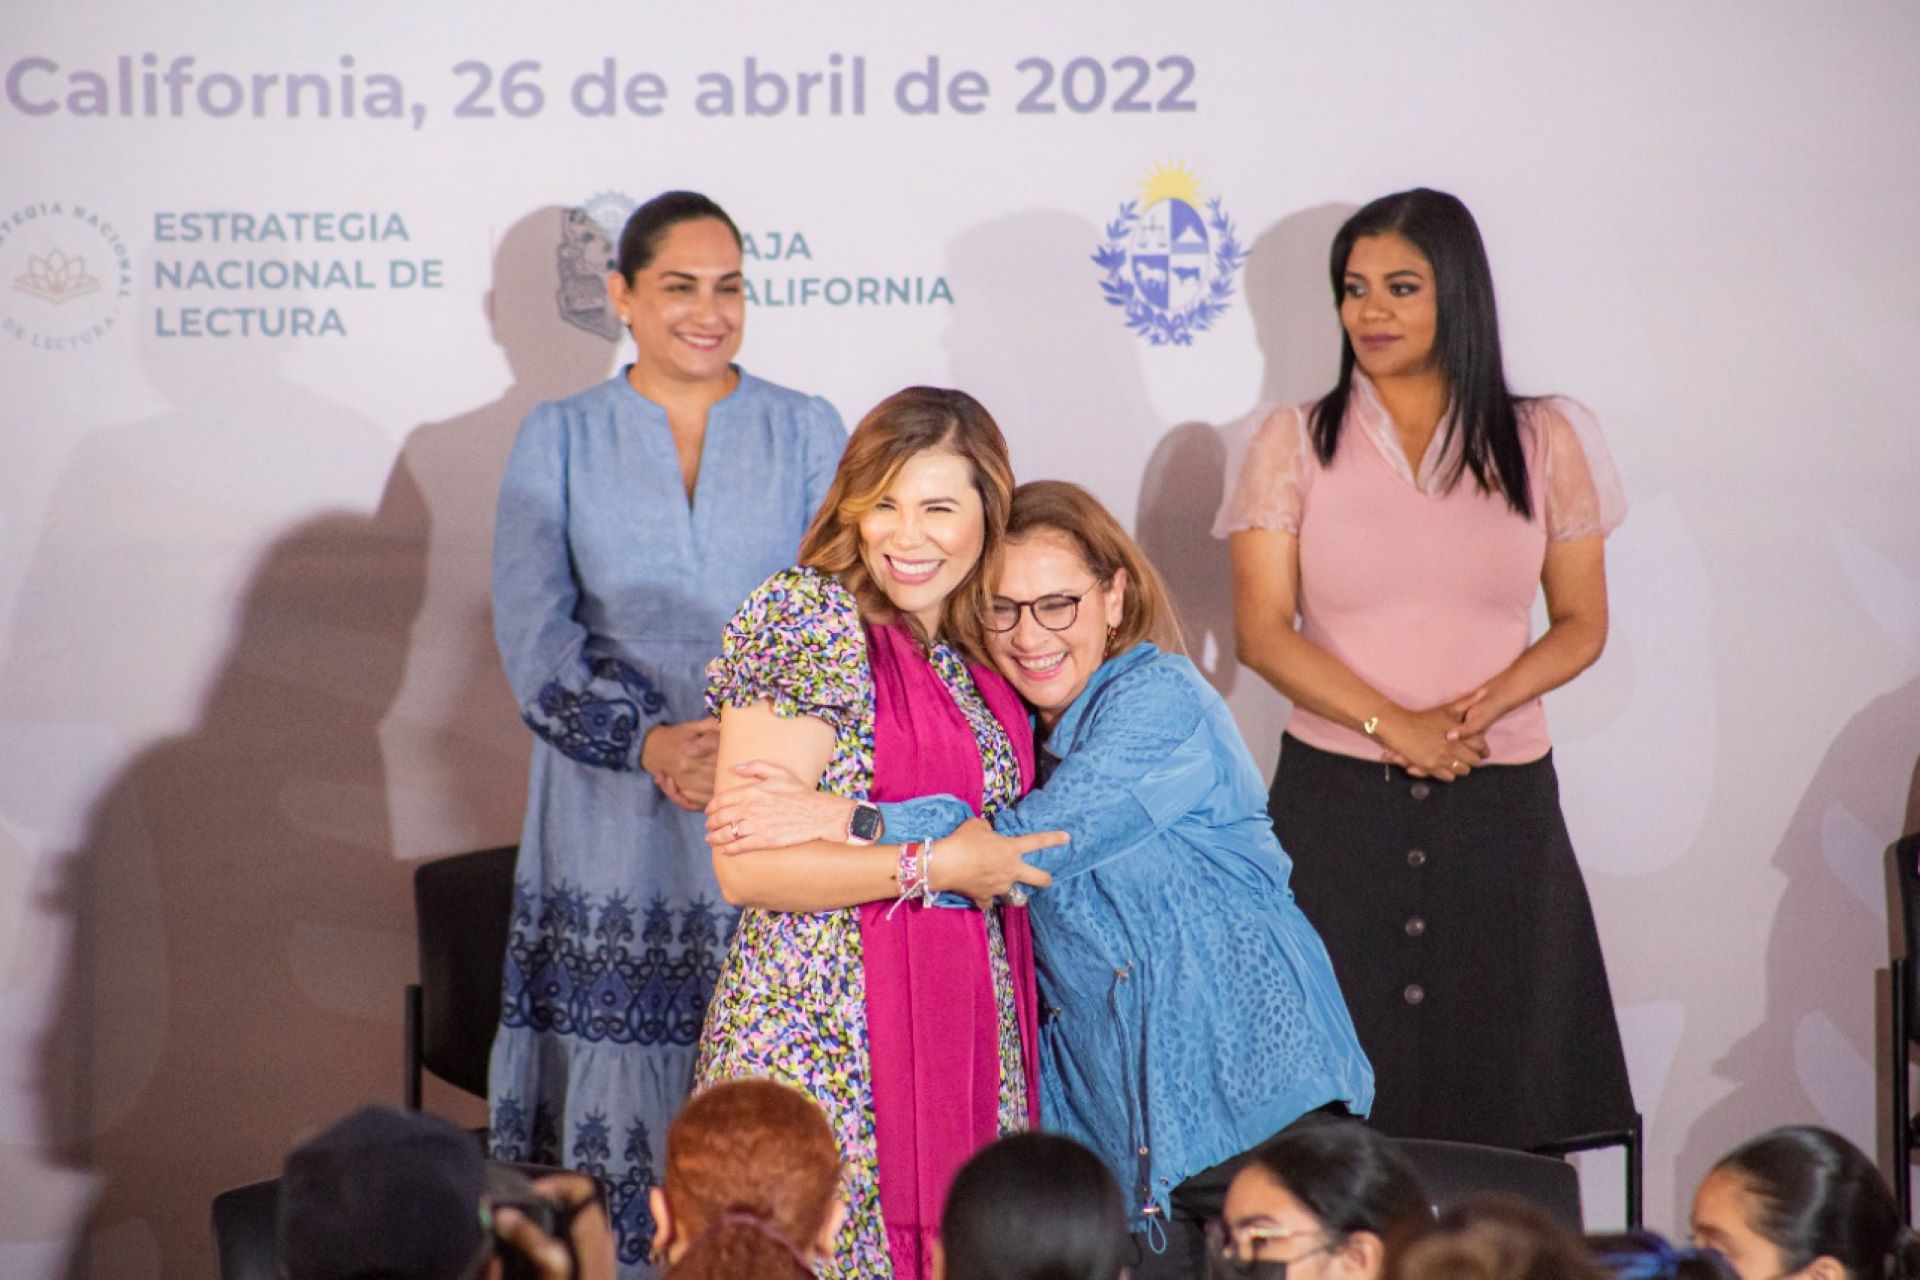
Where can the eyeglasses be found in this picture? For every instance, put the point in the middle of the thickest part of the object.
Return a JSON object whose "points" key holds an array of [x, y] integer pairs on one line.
{"points": [[1231, 1251], [1054, 612]]}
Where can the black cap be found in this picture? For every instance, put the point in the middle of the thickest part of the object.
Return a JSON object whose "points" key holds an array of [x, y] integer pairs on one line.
{"points": [[382, 1193]]}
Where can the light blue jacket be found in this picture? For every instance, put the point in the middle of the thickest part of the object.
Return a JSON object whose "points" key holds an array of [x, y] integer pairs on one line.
{"points": [[1188, 1008]]}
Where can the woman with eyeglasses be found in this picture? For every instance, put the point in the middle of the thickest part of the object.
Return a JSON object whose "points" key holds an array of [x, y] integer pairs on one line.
{"points": [[1189, 1008], [1318, 1202]]}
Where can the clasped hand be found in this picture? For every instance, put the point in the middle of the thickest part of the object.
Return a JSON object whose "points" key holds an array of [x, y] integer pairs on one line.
{"points": [[681, 757], [1444, 742]]}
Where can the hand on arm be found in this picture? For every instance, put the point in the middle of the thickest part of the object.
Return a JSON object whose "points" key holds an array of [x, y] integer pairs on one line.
{"points": [[775, 810], [764, 806], [979, 863]]}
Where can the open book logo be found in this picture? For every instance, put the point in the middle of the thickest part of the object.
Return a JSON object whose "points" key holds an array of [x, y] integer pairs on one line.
{"points": [[57, 277]]}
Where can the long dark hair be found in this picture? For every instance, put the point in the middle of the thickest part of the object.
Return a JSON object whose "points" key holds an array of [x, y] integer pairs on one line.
{"points": [[1347, 1176], [1034, 1206], [1819, 1196], [1466, 343]]}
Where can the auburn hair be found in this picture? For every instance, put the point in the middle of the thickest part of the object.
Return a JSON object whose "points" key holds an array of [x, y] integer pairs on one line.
{"points": [[905, 424], [751, 1174], [1059, 506]]}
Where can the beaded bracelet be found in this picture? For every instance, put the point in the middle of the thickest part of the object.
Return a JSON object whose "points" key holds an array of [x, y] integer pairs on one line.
{"points": [[915, 866]]}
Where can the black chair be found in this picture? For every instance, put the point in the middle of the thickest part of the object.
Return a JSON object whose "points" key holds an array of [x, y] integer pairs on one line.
{"points": [[1632, 1138], [463, 906], [243, 1223], [244, 1220], [1904, 1019], [1453, 1171]]}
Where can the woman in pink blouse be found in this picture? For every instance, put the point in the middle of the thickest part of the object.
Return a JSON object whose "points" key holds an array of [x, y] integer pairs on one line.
{"points": [[1388, 542]]}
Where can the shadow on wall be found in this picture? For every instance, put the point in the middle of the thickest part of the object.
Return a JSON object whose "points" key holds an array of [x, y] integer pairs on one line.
{"points": [[240, 924], [1801, 1064], [1185, 479], [454, 732], [240, 929], [1053, 397]]}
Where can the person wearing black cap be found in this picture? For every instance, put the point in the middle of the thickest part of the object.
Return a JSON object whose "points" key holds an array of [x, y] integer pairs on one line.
{"points": [[408, 1196]]}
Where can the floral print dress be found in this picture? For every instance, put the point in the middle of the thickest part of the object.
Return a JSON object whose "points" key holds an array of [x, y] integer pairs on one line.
{"points": [[790, 1004]]}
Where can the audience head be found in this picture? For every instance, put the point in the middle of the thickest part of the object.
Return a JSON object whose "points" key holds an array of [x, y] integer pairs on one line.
{"points": [[1492, 1238], [387, 1193], [1033, 1206], [752, 1181], [1318, 1202], [1645, 1255], [1802, 1200], [914, 520], [1072, 590]]}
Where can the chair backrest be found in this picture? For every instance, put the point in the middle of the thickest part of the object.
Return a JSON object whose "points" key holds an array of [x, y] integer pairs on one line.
{"points": [[243, 1226], [1452, 1171], [1906, 878], [463, 906]]}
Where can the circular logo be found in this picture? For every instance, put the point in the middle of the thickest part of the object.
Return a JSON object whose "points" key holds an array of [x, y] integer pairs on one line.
{"points": [[1168, 264], [65, 275]]}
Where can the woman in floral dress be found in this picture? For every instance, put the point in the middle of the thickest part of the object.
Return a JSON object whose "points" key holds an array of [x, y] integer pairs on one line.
{"points": [[908, 1016]]}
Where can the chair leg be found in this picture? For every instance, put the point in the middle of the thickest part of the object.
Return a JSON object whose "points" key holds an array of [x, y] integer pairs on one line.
{"points": [[1899, 977], [413, 1033], [1633, 1144]]}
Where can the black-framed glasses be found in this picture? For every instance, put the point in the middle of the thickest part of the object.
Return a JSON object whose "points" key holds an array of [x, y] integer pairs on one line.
{"points": [[1055, 612], [1232, 1252]]}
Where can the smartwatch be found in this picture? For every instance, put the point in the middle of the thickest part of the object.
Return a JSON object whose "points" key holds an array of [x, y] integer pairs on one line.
{"points": [[866, 824]]}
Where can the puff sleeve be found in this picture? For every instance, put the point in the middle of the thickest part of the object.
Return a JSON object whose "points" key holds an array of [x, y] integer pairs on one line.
{"points": [[797, 644], [1266, 484], [1582, 495]]}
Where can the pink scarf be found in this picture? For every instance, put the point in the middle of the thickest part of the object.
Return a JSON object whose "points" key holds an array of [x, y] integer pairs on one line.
{"points": [[932, 1025]]}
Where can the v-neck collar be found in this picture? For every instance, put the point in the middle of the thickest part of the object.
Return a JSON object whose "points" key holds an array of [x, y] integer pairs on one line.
{"points": [[1365, 409]]}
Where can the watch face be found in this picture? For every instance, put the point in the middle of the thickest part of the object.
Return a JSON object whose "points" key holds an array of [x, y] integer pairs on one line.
{"points": [[865, 824]]}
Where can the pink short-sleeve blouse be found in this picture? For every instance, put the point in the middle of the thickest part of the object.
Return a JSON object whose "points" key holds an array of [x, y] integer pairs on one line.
{"points": [[1422, 589]]}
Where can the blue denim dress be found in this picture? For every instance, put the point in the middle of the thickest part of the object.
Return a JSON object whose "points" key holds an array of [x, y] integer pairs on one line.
{"points": [[610, 590], [1189, 1008]]}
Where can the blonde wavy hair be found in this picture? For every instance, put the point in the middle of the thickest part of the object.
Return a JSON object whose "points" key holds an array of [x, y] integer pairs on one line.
{"points": [[907, 423]]}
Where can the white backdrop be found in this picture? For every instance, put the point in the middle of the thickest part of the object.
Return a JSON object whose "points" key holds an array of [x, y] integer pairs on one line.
{"points": [[246, 674]]}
